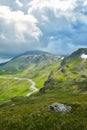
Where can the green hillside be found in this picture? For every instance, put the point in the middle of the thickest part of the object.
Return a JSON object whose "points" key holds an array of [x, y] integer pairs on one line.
{"points": [[73, 69], [66, 84], [35, 65], [10, 88]]}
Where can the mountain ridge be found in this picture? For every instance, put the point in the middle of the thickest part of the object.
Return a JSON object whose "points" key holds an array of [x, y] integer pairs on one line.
{"points": [[74, 56], [21, 62], [33, 52]]}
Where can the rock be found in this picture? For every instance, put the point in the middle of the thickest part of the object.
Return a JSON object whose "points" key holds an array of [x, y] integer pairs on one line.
{"points": [[69, 76], [58, 107], [83, 76], [67, 66], [80, 68], [63, 70], [42, 90]]}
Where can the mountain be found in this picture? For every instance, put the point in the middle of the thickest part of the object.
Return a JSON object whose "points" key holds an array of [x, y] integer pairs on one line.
{"points": [[71, 72], [33, 52], [65, 84], [75, 55], [1, 64], [35, 65], [23, 61]]}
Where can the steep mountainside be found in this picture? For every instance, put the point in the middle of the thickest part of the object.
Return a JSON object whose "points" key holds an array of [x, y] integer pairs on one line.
{"points": [[77, 55], [72, 72]]}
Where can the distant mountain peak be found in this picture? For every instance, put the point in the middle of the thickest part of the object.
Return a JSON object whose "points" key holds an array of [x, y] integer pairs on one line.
{"points": [[35, 52], [32, 52]]}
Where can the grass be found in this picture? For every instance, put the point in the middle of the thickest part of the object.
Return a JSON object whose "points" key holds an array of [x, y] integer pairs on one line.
{"points": [[40, 74], [10, 88], [31, 113]]}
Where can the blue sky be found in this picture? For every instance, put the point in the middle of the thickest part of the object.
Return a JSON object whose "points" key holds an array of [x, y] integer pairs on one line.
{"points": [[56, 26]]}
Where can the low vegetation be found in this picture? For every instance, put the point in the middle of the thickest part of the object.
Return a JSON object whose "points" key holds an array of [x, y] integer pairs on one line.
{"points": [[65, 83], [31, 113], [10, 88]]}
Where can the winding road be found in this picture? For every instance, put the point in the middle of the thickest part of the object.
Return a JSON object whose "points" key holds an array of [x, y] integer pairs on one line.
{"points": [[32, 87]]}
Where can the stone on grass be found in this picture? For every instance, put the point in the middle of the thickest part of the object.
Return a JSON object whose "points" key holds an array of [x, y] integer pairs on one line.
{"points": [[58, 107]]}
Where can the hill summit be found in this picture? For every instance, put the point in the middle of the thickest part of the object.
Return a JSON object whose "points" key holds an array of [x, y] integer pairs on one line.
{"points": [[77, 55]]}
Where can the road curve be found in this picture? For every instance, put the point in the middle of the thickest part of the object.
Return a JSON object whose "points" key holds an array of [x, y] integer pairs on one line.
{"points": [[32, 87]]}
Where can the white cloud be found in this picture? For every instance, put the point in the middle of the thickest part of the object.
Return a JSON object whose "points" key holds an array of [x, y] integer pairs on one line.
{"points": [[58, 7], [19, 3], [53, 25], [57, 4], [21, 23], [2, 36], [85, 2]]}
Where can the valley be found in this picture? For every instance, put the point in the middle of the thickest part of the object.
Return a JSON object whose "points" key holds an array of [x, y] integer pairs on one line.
{"points": [[39, 80], [12, 89]]}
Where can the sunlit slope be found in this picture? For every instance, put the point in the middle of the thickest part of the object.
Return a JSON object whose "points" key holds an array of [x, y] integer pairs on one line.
{"points": [[11, 87]]}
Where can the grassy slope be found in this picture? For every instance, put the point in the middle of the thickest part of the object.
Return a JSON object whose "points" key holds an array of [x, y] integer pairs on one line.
{"points": [[37, 68], [31, 113], [10, 88], [39, 74], [69, 87]]}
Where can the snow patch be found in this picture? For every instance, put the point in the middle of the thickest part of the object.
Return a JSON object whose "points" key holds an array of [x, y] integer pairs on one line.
{"points": [[62, 58], [84, 56]]}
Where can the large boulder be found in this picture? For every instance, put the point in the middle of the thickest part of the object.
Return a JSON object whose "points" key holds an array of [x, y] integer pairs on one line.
{"points": [[58, 107]]}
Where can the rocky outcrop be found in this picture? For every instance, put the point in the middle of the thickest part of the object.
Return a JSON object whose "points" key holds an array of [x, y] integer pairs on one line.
{"points": [[58, 107], [47, 84], [63, 70]]}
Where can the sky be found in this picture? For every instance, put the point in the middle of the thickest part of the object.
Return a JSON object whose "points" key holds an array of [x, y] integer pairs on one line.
{"points": [[56, 26]]}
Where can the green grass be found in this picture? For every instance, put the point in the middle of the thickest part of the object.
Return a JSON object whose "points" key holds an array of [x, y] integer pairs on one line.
{"points": [[31, 113], [40, 73], [10, 88]]}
